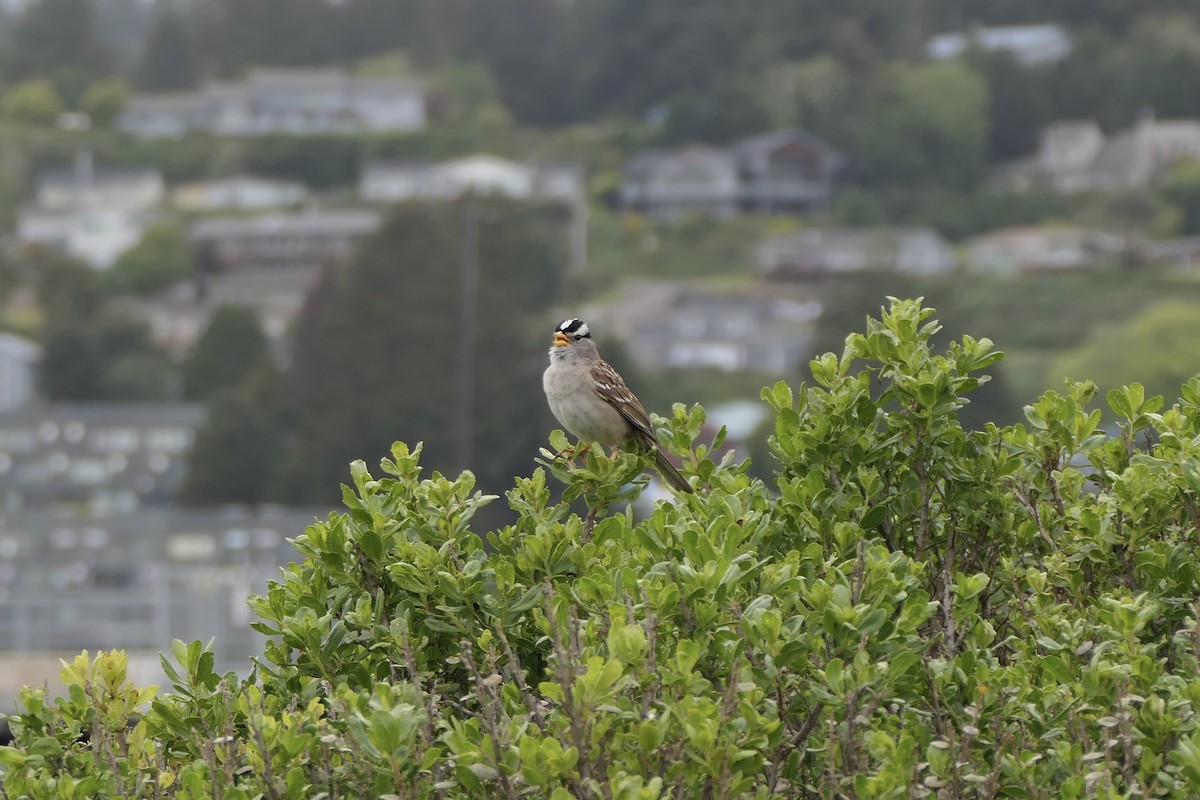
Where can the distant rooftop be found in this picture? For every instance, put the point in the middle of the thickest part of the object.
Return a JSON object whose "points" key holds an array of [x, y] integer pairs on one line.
{"points": [[1029, 44]]}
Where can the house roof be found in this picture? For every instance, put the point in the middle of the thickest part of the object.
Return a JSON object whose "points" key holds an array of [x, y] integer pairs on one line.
{"points": [[649, 162], [308, 223], [99, 177], [766, 144]]}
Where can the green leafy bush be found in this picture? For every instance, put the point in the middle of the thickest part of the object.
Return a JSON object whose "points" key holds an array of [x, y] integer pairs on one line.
{"points": [[913, 610]]}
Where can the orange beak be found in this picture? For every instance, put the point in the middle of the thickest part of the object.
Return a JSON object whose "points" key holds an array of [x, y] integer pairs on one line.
{"points": [[561, 339]]}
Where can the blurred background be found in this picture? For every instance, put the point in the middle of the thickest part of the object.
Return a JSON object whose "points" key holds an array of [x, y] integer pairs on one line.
{"points": [[244, 242]]}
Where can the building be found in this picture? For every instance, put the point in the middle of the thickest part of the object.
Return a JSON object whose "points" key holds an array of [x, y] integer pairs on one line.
{"points": [[1030, 45], [238, 193], [19, 359], [297, 102], [1042, 249], [1076, 156], [766, 329], [108, 188], [136, 581], [297, 242], [94, 236], [93, 215], [110, 457], [267, 263], [481, 174], [815, 252], [783, 171]]}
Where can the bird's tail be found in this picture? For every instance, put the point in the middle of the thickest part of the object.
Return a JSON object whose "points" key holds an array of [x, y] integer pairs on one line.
{"points": [[669, 473]]}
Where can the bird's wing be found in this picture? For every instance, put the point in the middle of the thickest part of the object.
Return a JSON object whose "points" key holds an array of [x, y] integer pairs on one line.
{"points": [[611, 387]]}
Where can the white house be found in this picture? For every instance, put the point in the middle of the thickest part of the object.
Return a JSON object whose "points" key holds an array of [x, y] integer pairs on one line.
{"points": [[482, 174], [282, 101], [238, 192], [1076, 156], [1042, 249], [19, 358], [389, 182], [90, 214], [108, 188], [95, 236], [913, 251], [1029, 44]]}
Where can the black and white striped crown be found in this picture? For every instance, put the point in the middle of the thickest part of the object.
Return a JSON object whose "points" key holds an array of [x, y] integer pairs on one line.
{"points": [[575, 328]]}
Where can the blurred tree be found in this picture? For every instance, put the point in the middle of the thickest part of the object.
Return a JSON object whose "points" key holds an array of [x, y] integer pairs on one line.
{"points": [[233, 458], [232, 348], [318, 161], [1156, 347], [138, 377], [169, 59], [67, 289], [56, 39], [724, 112], [36, 102], [161, 258], [1183, 190], [70, 370], [924, 125], [377, 348], [105, 99], [1018, 103]]}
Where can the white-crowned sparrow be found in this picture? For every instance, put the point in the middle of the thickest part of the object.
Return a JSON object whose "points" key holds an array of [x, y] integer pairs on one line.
{"points": [[591, 399]]}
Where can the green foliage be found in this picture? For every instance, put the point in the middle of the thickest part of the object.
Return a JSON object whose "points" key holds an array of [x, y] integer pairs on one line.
{"points": [[36, 102], [1156, 346], [232, 348], [105, 99], [1183, 190], [169, 60], [353, 391], [914, 611], [925, 124], [231, 461], [161, 258]]}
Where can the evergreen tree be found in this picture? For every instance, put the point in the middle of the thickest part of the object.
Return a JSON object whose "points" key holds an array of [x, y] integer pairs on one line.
{"points": [[232, 348], [57, 39], [232, 458], [169, 59], [377, 355]]}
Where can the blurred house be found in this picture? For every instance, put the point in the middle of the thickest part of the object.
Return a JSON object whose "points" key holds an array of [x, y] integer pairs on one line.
{"points": [[285, 242], [110, 457], [19, 359], [782, 171], [1029, 44], [753, 331], [482, 174], [176, 316], [267, 263], [813, 252], [1077, 156], [137, 580], [85, 187], [238, 193], [298, 102], [93, 215], [1040, 249], [1183, 253]]}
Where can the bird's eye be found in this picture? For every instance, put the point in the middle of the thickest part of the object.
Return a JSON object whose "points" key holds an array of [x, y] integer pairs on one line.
{"points": [[578, 337]]}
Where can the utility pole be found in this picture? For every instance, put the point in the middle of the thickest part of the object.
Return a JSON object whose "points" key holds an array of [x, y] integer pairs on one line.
{"points": [[464, 412]]}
